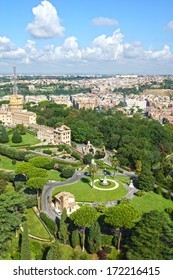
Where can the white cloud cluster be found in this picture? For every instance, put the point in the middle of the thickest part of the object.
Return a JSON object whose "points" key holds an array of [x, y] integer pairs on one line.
{"points": [[104, 21], [10, 51], [104, 50], [165, 53], [107, 49], [46, 23]]}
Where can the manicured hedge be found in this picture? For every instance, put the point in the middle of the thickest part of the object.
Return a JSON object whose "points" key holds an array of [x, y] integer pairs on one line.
{"points": [[51, 225]]}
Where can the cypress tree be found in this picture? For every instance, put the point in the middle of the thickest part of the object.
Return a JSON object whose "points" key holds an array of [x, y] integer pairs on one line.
{"points": [[25, 248], [75, 239], [3, 135], [16, 138], [63, 227], [94, 238]]}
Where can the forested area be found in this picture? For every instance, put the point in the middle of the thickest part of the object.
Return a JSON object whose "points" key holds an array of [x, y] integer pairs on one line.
{"points": [[135, 139]]}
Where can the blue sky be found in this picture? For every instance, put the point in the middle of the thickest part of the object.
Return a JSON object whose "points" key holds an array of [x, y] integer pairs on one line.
{"points": [[72, 36]]}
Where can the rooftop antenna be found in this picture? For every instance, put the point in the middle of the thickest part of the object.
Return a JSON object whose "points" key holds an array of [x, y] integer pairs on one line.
{"points": [[15, 89]]}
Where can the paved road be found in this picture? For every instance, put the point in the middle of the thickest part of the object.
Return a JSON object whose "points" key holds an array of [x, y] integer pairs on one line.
{"points": [[47, 193], [50, 186]]}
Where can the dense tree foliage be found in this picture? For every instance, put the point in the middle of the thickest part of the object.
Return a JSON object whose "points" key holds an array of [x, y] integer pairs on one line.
{"points": [[67, 171], [152, 238], [94, 238], [3, 135], [84, 217], [42, 162], [12, 206], [55, 252], [120, 217], [16, 138], [135, 139], [63, 227], [146, 180], [12, 153]]}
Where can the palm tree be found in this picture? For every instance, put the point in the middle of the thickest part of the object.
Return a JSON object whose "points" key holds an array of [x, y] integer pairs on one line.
{"points": [[115, 162]]}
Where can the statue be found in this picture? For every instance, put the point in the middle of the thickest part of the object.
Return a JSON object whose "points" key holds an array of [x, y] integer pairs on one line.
{"points": [[131, 184]]}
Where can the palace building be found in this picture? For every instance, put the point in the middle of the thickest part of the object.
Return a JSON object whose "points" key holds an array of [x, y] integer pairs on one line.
{"points": [[59, 135], [13, 113]]}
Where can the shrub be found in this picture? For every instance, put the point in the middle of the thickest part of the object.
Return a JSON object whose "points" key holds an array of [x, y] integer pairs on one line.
{"points": [[51, 225], [13, 161], [48, 152], [75, 155], [139, 193], [29, 156], [107, 249], [67, 172], [12, 153]]}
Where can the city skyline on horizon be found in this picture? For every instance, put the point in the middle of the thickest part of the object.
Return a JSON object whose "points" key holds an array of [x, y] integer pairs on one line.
{"points": [[59, 38]]}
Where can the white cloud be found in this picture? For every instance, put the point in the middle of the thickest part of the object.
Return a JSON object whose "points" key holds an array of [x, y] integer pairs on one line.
{"points": [[69, 50], [109, 48], [104, 52], [9, 50], [170, 25], [133, 50], [46, 23], [104, 21], [163, 54]]}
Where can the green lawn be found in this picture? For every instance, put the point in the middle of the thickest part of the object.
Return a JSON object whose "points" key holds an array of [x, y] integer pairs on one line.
{"points": [[151, 201], [6, 163], [35, 226], [84, 193], [27, 139], [54, 175]]}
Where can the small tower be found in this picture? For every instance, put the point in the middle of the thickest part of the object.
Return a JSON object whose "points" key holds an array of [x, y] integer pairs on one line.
{"points": [[15, 89], [16, 101]]}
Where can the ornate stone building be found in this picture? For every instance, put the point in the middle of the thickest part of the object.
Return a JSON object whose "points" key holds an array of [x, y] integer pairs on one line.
{"points": [[14, 114], [59, 135], [65, 200]]}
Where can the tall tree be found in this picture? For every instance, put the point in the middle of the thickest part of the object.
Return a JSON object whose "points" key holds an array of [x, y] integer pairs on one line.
{"points": [[120, 217], [21, 129], [16, 138], [37, 184], [12, 206], [25, 248], [63, 227], [84, 217], [146, 180], [55, 252], [152, 238], [75, 240], [115, 163], [3, 135], [94, 238]]}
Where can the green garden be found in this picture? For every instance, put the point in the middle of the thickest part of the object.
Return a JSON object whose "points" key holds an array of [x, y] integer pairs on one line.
{"points": [[84, 193]]}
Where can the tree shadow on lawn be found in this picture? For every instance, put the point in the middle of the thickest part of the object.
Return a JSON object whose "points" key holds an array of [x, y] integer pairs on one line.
{"points": [[86, 181]]}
